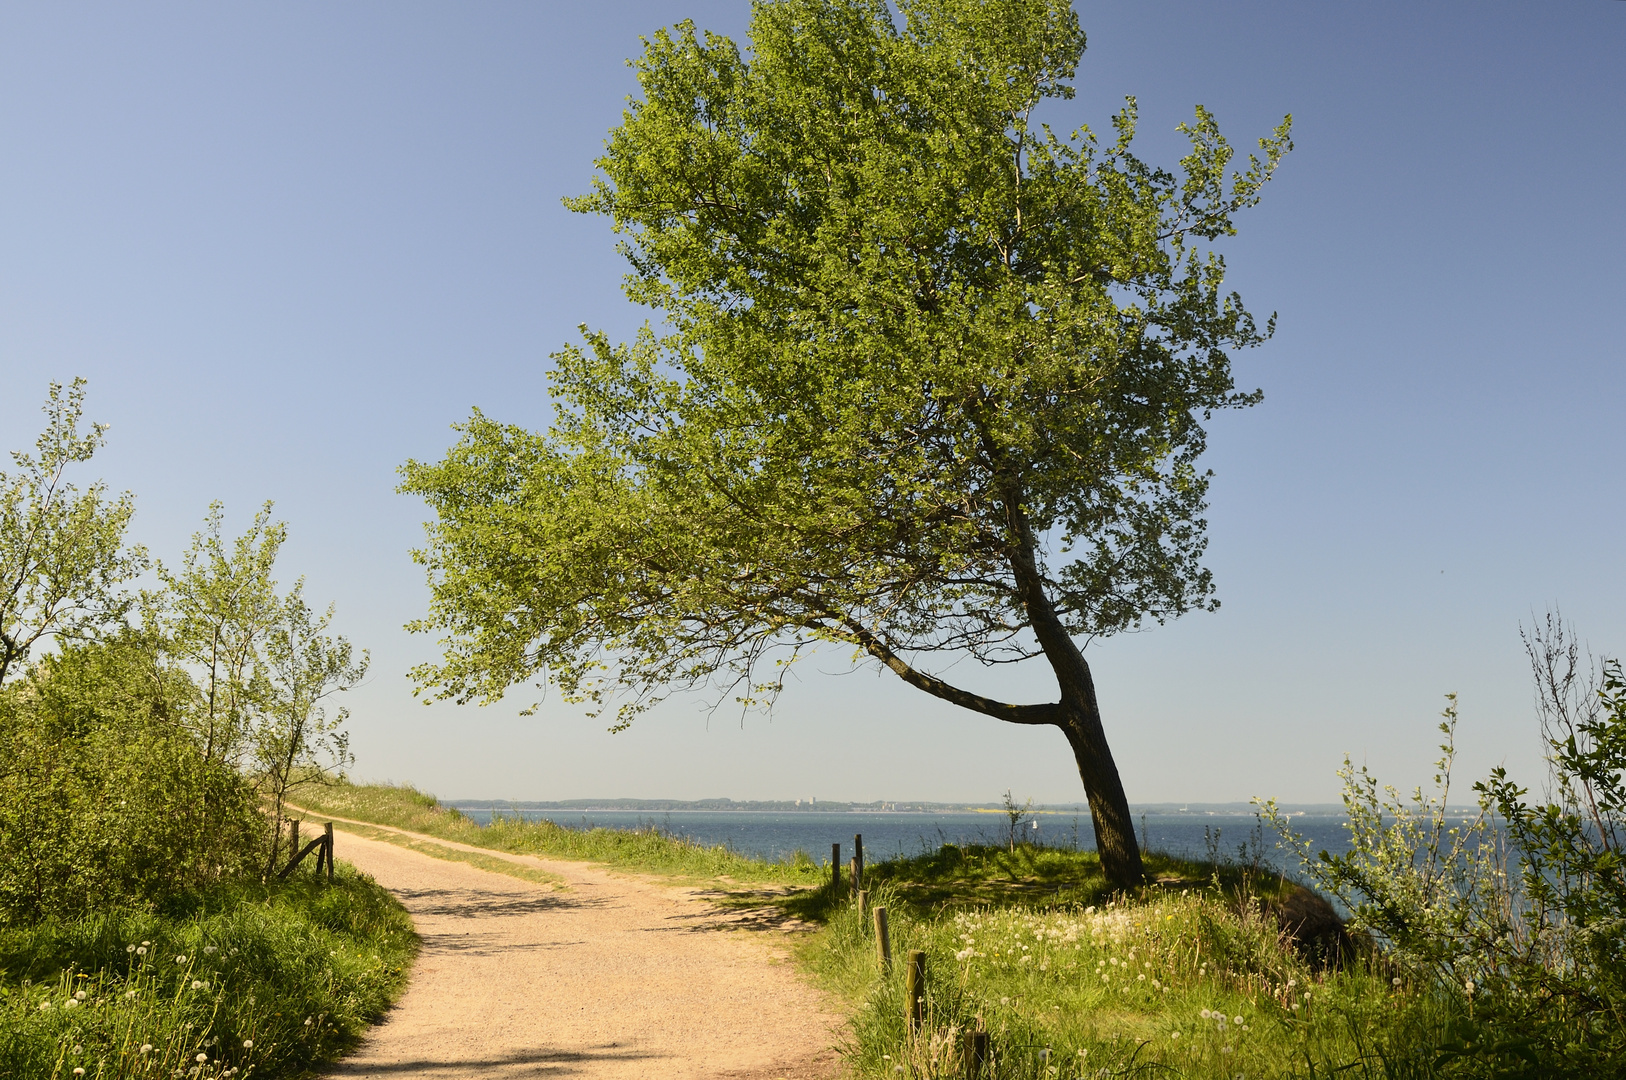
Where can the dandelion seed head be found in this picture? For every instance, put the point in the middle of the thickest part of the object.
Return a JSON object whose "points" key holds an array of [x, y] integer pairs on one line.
{"points": [[129, 948], [141, 950], [78, 995], [201, 1058], [180, 958], [146, 1048], [248, 1044]]}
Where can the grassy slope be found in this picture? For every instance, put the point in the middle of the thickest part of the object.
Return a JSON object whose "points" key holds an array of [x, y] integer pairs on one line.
{"points": [[260, 981], [1029, 944]]}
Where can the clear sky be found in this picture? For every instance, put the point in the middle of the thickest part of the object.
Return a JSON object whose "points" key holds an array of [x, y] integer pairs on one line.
{"points": [[290, 244]]}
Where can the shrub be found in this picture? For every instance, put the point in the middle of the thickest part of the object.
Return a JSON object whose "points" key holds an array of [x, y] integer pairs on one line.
{"points": [[105, 798]]}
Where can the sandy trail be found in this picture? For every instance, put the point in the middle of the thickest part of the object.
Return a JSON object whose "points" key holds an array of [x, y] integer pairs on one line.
{"points": [[615, 975]]}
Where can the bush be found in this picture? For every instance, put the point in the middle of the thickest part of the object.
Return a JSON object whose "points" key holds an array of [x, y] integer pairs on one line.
{"points": [[1516, 917], [106, 799]]}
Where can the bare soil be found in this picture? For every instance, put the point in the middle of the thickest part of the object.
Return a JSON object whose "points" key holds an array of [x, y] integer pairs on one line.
{"points": [[604, 975]]}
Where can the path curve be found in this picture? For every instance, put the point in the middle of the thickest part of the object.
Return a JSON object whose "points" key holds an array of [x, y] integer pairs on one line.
{"points": [[612, 976]]}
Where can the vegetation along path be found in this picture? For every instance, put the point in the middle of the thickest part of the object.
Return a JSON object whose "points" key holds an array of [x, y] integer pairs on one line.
{"points": [[595, 974]]}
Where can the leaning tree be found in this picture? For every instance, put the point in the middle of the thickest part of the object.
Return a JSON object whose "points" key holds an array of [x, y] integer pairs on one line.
{"points": [[928, 380]]}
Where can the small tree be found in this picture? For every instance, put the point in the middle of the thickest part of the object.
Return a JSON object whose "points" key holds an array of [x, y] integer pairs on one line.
{"points": [[219, 609], [296, 739], [62, 554], [933, 386]]}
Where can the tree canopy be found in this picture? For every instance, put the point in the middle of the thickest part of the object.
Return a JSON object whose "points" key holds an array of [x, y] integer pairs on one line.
{"points": [[928, 379]]}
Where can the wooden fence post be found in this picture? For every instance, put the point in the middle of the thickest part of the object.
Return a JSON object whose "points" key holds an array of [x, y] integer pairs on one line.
{"points": [[858, 860], [976, 1054], [883, 940], [328, 836], [863, 902], [835, 869], [914, 987]]}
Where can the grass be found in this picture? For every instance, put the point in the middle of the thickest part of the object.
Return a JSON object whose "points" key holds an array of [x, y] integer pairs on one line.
{"points": [[649, 850], [1189, 978], [264, 981]]}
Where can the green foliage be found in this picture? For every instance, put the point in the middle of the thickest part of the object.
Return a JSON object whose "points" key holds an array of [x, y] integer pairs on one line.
{"points": [[1517, 918], [105, 796], [268, 981], [62, 554], [912, 332]]}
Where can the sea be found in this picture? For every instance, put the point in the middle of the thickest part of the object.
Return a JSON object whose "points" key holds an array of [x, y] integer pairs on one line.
{"points": [[1234, 834]]}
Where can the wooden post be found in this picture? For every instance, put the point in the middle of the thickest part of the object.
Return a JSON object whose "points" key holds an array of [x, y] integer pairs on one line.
{"points": [[328, 836], [854, 871], [976, 1054], [883, 940], [863, 902], [835, 869], [858, 860], [914, 988]]}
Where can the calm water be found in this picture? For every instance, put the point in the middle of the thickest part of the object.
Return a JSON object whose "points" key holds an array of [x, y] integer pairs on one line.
{"points": [[774, 835]]}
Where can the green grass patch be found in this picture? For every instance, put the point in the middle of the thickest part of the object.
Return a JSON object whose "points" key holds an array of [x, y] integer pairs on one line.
{"points": [[265, 981], [1177, 983], [648, 849], [535, 875]]}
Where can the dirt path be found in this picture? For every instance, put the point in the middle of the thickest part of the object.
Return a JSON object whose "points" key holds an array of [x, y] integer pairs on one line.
{"points": [[611, 975]]}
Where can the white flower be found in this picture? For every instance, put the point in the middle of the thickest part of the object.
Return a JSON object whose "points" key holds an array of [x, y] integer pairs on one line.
{"points": [[1237, 1020], [197, 984], [1205, 1014], [248, 1044], [129, 948], [1469, 986], [1395, 981], [70, 1004], [146, 943], [146, 1048], [141, 951], [180, 959], [201, 1058], [78, 995]]}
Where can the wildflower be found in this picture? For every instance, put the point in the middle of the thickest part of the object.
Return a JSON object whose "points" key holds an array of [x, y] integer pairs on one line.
{"points": [[78, 995], [1238, 1021], [141, 950], [1205, 1014], [1395, 981], [70, 1004], [180, 959], [201, 1058], [129, 948], [146, 1048], [248, 1044], [1140, 978], [1469, 986], [146, 943]]}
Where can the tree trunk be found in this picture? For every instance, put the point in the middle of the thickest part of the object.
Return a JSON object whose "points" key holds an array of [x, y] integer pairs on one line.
{"points": [[1080, 721]]}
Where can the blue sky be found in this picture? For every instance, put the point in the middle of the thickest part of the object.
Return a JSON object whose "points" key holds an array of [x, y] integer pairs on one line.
{"points": [[290, 244]]}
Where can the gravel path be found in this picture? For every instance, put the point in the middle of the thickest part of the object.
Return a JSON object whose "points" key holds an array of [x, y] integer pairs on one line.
{"points": [[611, 975]]}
